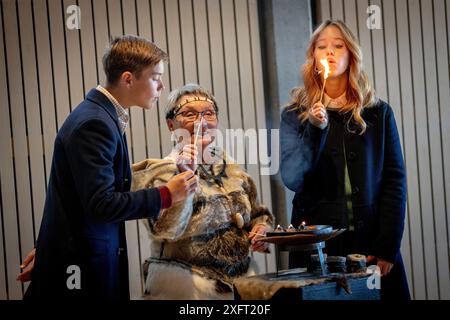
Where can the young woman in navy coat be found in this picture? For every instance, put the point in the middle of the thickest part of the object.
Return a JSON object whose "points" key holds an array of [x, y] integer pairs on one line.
{"points": [[342, 157]]}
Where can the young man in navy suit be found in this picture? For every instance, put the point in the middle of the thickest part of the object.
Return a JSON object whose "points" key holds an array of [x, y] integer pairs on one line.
{"points": [[88, 196]]}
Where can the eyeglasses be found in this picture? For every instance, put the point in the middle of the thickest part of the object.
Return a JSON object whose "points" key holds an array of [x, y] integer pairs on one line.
{"points": [[192, 115]]}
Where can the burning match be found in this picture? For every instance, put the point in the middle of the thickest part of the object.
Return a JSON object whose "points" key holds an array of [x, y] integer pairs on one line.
{"points": [[324, 62], [197, 133]]}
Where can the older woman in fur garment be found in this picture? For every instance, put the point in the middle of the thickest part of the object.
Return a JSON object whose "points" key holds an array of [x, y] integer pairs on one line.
{"points": [[199, 246]]}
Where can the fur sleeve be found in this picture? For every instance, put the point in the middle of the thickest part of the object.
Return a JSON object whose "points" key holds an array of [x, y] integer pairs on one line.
{"points": [[171, 222], [259, 213]]}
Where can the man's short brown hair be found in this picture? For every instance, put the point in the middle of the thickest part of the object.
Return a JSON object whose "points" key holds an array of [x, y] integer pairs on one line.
{"points": [[130, 53]]}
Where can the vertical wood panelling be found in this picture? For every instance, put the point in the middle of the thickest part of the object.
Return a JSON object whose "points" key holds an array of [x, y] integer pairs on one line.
{"points": [[87, 44], [115, 27], [151, 116], [379, 62], [7, 173], [394, 98], [202, 42], [46, 87], [49, 68], [115, 19], [258, 86], [158, 14], [364, 36], [232, 78], [351, 18], [59, 64], [410, 153], [33, 117], [443, 79], [422, 140], [36, 174], [188, 41], [9, 235], [435, 151], [74, 66], [337, 9], [21, 165], [3, 293], [101, 33], [219, 86], [138, 152], [257, 90], [392, 65], [247, 104], [408, 63], [151, 133], [176, 68], [446, 124], [323, 12]]}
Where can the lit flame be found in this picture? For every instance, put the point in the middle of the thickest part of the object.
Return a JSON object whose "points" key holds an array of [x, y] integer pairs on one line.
{"points": [[324, 62]]}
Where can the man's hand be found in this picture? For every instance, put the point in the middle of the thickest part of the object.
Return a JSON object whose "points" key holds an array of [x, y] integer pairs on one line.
{"points": [[318, 115], [258, 232], [27, 267], [385, 266], [182, 185]]}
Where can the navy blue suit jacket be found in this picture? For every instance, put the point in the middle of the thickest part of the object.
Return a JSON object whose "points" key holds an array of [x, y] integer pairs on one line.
{"points": [[88, 200]]}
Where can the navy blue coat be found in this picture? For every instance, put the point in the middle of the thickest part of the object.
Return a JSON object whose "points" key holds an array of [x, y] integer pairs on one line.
{"points": [[88, 200], [312, 165]]}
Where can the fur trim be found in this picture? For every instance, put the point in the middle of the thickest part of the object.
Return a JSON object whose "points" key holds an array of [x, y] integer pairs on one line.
{"points": [[191, 283], [163, 276], [226, 252]]}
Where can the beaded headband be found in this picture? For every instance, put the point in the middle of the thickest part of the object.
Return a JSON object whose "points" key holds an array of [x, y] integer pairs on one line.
{"points": [[189, 100]]}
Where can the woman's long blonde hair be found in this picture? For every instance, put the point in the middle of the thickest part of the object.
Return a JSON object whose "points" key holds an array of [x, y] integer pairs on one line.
{"points": [[359, 94]]}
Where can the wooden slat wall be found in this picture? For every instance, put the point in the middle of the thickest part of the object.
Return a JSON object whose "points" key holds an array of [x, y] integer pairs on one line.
{"points": [[408, 63], [46, 69]]}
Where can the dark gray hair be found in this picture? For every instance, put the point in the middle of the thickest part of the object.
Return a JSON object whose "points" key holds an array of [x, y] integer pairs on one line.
{"points": [[173, 103]]}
